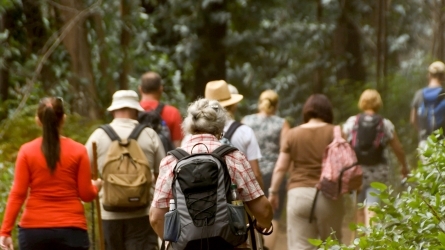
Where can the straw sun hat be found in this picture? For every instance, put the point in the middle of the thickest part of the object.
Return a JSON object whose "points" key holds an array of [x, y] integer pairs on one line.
{"points": [[219, 90]]}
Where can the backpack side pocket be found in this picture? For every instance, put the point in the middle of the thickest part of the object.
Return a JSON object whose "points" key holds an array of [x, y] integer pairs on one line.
{"points": [[237, 219], [172, 226]]}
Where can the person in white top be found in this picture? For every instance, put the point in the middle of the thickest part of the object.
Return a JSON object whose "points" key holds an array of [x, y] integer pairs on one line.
{"points": [[243, 138]]}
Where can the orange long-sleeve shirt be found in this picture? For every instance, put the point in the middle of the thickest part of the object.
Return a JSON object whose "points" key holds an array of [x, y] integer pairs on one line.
{"points": [[53, 200]]}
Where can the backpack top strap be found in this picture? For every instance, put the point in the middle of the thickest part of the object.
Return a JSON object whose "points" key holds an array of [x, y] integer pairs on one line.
{"points": [[159, 108], [337, 133], [233, 127], [110, 132], [137, 131], [223, 150], [178, 153]]}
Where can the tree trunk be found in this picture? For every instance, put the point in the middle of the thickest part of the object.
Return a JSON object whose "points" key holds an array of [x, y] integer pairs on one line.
{"points": [[438, 46], [77, 45], [318, 74], [211, 62], [105, 76], [125, 42], [347, 47], [6, 23]]}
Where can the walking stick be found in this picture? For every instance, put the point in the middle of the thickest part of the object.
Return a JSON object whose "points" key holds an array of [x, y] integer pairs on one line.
{"points": [[96, 201]]}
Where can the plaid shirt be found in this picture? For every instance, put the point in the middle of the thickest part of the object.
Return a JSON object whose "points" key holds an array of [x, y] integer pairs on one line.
{"points": [[239, 169]]}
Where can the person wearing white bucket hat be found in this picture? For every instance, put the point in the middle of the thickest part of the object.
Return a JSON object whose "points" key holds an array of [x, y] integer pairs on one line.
{"points": [[127, 230], [240, 136]]}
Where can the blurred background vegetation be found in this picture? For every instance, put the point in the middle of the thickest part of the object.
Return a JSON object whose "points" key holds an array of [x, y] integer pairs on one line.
{"points": [[84, 50]]}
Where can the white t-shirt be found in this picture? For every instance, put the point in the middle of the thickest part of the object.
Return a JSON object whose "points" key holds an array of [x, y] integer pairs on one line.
{"points": [[244, 139]]}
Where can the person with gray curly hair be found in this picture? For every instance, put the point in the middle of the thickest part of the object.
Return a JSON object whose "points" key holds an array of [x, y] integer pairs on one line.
{"points": [[205, 117], [205, 123]]}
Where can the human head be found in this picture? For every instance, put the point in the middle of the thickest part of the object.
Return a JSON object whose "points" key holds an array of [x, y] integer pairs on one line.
{"points": [[370, 100], [50, 115], [436, 70], [318, 106], [268, 102], [125, 101], [151, 82], [205, 117]]}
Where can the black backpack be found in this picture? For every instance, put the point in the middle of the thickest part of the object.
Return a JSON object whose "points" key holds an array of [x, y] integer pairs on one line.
{"points": [[230, 131], [154, 120], [368, 139]]}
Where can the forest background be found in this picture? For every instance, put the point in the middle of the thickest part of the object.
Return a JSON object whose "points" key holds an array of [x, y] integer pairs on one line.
{"points": [[85, 50]]}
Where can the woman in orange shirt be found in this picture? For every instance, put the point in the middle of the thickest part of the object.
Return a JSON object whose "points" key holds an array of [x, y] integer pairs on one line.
{"points": [[56, 171]]}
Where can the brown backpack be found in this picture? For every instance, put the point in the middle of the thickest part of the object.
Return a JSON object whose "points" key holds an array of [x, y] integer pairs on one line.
{"points": [[126, 173]]}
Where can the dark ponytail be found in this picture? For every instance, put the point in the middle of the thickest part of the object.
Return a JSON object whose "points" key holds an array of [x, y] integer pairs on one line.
{"points": [[51, 113]]}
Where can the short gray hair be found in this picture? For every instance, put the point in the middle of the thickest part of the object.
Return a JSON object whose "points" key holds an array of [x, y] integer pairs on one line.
{"points": [[205, 116]]}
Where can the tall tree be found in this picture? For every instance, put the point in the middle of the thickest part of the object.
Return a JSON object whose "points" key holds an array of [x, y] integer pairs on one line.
{"points": [[76, 43], [347, 42]]}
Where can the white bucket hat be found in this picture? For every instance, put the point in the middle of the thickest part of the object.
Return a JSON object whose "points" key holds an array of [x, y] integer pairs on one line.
{"points": [[219, 90], [125, 99]]}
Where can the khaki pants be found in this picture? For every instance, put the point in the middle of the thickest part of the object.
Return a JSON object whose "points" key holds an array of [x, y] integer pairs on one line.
{"points": [[328, 217]]}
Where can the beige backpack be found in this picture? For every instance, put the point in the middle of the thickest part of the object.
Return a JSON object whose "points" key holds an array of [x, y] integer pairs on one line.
{"points": [[126, 173]]}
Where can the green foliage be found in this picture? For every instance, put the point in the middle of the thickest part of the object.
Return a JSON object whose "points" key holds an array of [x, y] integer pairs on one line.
{"points": [[414, 218]]}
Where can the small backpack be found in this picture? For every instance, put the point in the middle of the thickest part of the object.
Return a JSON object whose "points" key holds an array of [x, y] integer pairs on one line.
{"points": [[154, 120], [431, 111], [368, 139], [340, 172], [204, 217], [126, 173], [230, 131]]}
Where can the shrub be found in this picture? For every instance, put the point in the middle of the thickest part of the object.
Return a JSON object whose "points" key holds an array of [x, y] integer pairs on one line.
{"points": [[413, 218]]}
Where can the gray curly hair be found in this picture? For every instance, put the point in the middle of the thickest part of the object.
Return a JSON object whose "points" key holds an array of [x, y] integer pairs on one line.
{"points": [[204, 116]]}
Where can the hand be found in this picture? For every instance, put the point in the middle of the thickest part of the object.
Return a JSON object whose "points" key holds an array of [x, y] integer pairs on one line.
{"points": [[274, 200], [6, 243], [98, 183], [405, 172]]}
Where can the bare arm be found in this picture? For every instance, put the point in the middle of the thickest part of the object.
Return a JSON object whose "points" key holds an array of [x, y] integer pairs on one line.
{"points": [[400, 154], [157, 220], [256, 171], [413, 119], [262, 210], [284, 129], [281, 168]]}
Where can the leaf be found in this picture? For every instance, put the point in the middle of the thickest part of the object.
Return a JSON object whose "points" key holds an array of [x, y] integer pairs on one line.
{"points": [[441, 238], [379, 186], [315, 242]]}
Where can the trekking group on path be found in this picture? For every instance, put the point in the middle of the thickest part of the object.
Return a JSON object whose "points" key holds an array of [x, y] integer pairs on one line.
{"points": [[208, 182]]}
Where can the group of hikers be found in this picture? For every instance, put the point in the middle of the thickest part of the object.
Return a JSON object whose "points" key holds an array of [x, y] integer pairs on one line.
{"points": [[205, 181]]}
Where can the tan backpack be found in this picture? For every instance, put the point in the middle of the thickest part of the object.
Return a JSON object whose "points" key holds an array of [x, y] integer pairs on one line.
{"points": [[126, 173]]}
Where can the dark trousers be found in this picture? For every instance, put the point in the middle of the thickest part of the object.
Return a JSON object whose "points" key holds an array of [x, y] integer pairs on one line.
{"points": [[129, 234], [53, 239]]}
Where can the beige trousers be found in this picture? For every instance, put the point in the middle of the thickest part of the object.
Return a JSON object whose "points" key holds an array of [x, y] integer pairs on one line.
{"points": [[328, 217]]}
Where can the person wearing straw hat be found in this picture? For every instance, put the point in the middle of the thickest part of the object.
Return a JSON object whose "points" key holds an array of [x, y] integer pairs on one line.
{"points": [[127, 230], [243, 138]]}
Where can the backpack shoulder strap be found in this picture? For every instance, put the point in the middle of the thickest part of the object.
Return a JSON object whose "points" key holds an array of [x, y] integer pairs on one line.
{"points": [[110, 132], [223, 150], [137, 131], [178, 153], [159, 108], [233, 127]]}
